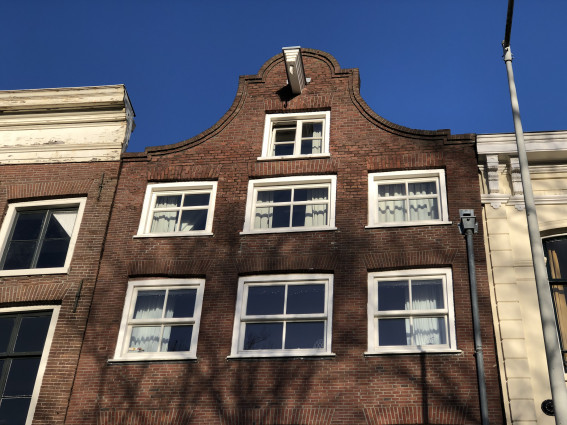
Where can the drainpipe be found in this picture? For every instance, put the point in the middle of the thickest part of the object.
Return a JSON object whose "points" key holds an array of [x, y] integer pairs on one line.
{"points": [[555, 366], [467, 227]]}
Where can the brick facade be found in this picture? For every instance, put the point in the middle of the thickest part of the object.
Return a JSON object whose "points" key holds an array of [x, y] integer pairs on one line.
{"points": [[346, 388]]}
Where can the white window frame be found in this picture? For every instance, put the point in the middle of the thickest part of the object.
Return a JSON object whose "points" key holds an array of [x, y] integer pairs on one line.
{"points": [[240, 318], [397, 177], [122, 353], [288, 183], [176, 188], [45, 353], [445, 274], [10, 221], [271, 119]]}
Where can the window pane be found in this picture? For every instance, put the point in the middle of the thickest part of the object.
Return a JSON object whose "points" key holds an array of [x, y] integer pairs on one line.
{"points": [[305, 299], [387, 190], [559, 295], [20, 255], [315, 194], [556, 252], [167, 201], [193, 220], [312, 129], [176, 338], [61, 224], [305, 335], [309, 147], [181, 303], [427, 188], [392, 211], [393, 295], [309, 215], [164, 221], [21, 377], [283, 149], [285, 134], [53, 253], [32, 333], [196, 199], [393, 332], [149, 304], [424, 209], [265, 300], [274, 196], [6, 326], [144, 339], [427, 294], [429, 331], [263, 336], [280, 216], [28, 225], [14, 411]]}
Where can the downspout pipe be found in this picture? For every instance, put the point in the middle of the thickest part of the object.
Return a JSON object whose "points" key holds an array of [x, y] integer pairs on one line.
{"points": [[555, 366], [467, 227]]}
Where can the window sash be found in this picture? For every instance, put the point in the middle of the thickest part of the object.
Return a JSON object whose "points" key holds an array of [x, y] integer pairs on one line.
{"points": [[317, 321], [297, 126], [166, 325], [320, 208]]}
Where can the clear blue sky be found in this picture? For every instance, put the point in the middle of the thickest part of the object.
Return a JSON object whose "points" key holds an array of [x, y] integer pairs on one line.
{"points": [[423, 64]]}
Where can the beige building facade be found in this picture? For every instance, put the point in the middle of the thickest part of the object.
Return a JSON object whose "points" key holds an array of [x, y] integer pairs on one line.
{"points": [[521, 353]]}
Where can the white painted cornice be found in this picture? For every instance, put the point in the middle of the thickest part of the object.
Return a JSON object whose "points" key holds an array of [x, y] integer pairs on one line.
{"points": [[64, 124], [505, 143]]}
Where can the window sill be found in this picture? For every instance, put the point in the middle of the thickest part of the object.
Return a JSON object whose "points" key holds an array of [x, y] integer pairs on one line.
{"points": [[412, 351], [30, 272], [153, 358], [172, 235], [244, 356], [293, 157], [288, 230], [409, 223]]}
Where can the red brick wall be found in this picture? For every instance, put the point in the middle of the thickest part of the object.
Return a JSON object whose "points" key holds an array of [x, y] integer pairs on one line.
{"points": [[346, 389], [20, 183]]}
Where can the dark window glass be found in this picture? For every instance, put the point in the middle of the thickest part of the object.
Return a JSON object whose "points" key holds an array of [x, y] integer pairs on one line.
{"points": [[23, 336], [280, 216], [393, 332], [265, 300], [193, 220], [181, 303], [393, 295], [176, 338], [305, 299], [305, 335], [283, 150], [263, 336], [196, 199], [32, 333], [6, 327], [39, 239], [14, 411]]}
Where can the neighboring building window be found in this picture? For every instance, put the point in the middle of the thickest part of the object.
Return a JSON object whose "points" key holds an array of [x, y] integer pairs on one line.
{"points": [[296, 135], [411, 311], [24, 342], [283, 315], [177, 209], [39, 237], [556, 254], [407, 198], [160, 320], [286, 204]]}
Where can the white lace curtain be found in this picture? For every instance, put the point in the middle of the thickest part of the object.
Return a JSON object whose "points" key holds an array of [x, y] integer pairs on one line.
{"points": [[166, 221], [428, 295], [396, 210], [149, 305], [314, 132]]}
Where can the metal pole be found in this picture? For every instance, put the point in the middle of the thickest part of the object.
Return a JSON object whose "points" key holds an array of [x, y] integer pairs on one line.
{"points": [[552, 350], [468, 226]]}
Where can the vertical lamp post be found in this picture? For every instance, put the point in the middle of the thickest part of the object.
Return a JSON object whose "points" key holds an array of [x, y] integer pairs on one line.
{"points": [[552, 350]]}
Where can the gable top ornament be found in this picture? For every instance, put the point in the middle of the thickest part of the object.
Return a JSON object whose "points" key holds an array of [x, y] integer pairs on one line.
{"points": [[294, 69]]}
